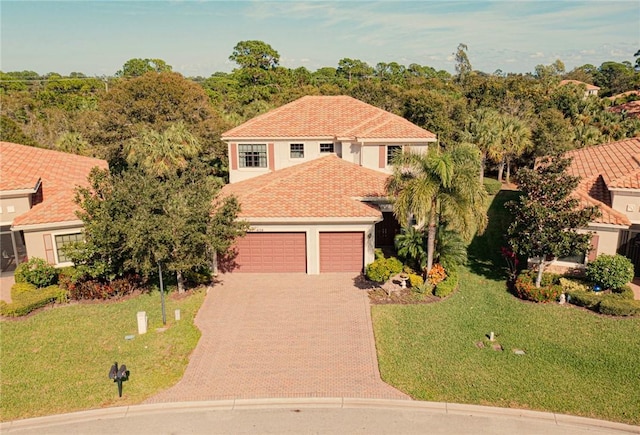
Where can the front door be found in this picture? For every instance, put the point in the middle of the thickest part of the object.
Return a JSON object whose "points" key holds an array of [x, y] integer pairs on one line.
{"points": [[386, 230]]}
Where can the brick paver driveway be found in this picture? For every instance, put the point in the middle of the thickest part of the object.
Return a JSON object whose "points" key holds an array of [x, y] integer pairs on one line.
{"points": [[283, 335]]}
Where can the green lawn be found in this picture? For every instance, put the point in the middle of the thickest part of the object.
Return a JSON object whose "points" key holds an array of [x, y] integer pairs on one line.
{"points": [[58, 360], [577, 362]]}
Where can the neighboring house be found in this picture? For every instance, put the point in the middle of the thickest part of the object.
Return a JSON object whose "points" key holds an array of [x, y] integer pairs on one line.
{"points": [[37, 211], [589, 89], [610, 179], [631, 109], [310, 177]]}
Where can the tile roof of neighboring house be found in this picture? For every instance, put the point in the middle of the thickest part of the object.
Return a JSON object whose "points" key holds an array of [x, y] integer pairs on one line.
{"points": [[604, 167], [578, 82], [631, 108], [321, 188], [329, 117], [22, 166], [624, 94]]}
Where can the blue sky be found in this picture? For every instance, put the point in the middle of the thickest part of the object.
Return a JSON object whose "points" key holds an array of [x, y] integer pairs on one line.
{"points": [[197, 37]]}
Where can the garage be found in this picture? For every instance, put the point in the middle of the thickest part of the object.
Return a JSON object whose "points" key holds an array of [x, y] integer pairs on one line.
{"points": [[271, 252], [341, 251]]}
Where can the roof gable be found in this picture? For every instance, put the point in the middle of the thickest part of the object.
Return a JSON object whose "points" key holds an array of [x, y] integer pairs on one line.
{"points": [[614, 165], [340, 117], [22, 166], [328, 187]]}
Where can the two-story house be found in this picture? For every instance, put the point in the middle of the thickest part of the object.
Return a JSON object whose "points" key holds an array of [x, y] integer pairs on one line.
{"points": [[310, 177], [37, 209]]}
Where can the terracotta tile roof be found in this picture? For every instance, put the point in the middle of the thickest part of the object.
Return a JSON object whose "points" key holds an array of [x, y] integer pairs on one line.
{"points": [[322, 188], [20, 168], [624, 94], [604, 167], [578, 82], [329, 117], [632, 109]]}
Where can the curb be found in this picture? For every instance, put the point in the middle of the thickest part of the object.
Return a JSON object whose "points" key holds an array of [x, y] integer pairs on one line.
{"points": [[318, 403]]}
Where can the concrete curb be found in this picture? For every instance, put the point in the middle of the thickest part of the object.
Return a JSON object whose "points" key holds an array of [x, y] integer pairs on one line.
{"points": [[318, 403]]}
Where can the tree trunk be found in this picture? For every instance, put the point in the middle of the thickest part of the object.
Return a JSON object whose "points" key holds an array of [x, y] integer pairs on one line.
{"points": [[500, 170], [540, 270], [508, 171], [214, 263], [431, 237], [180, 280]]}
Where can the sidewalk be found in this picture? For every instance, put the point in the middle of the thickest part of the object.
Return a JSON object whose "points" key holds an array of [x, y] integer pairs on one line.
{"points": [[317, 416]]}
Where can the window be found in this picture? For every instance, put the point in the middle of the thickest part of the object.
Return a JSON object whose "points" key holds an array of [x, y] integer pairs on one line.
{"points": [[65, 239], [297, 150], [253, 155], [326, 147], [391, 151]]}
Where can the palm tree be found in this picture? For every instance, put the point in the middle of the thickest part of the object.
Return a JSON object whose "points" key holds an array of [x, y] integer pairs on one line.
{"points": [[483, 131], [437, 185], [163, 153], [516, 140]]}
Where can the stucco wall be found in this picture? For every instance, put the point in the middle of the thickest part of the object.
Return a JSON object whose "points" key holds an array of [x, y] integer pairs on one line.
{"points": [[11, 208], [313, 238], [38, 245], [627, 202]]}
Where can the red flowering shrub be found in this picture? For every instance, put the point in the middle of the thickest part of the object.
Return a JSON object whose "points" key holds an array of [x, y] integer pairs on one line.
{"points": [[525, 288]]}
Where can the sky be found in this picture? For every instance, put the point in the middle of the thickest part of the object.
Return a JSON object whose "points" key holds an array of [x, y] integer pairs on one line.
{"points": [[197, 37]]}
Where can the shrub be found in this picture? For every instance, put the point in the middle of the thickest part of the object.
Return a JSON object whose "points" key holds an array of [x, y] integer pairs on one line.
{"points": [[37, 272], [436, 274], [95, 289], [383, 268], [492, 186], [549, 290], [19, 288], [569, 285], [447, 286], [27, 301], [423, 288], [415, 280], [619, 307], [624, 292], [586, 299], [611, 272]]}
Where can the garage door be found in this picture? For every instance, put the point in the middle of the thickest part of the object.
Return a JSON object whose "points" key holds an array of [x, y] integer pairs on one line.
{"points": [[271, 252], [341, 252]]}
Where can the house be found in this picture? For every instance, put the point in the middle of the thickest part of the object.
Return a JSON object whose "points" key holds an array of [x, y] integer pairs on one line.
{"points": [[589, 88], [631, 109], [310, 177], [610, 179], [37, 209]]}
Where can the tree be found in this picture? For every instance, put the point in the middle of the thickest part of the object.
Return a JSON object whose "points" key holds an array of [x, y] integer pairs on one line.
{"points": [[483, 130], [133, 221], [155, 101], [463, 65], [255, 54], [516, 137], [163, 154], [354, 69], [138, 67], [439, 186], [546, 217]]}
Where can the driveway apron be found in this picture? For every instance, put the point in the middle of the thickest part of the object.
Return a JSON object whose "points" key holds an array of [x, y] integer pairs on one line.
{"points": [[283, 335]]}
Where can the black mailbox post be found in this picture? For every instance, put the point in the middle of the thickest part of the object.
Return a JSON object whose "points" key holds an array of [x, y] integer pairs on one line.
{"points": [[119, 375]]}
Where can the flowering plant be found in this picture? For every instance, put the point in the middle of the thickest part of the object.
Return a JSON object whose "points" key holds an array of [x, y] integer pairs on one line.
{"points": [[436, 274], [512, 262]]}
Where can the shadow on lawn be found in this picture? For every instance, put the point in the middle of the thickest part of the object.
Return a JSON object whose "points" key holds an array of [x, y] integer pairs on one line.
{"points": [[484, 251]]}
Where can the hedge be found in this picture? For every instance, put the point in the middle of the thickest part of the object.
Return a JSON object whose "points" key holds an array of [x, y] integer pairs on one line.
{"points": [[613, 304], [24, 302], [448, 286]]}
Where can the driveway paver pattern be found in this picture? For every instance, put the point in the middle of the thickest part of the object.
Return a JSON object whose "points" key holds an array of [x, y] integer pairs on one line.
{"points": [[283, 335]]}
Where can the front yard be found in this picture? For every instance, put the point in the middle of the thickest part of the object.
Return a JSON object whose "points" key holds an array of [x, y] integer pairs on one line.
{"points": [[58, 360], [575, 362]]}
